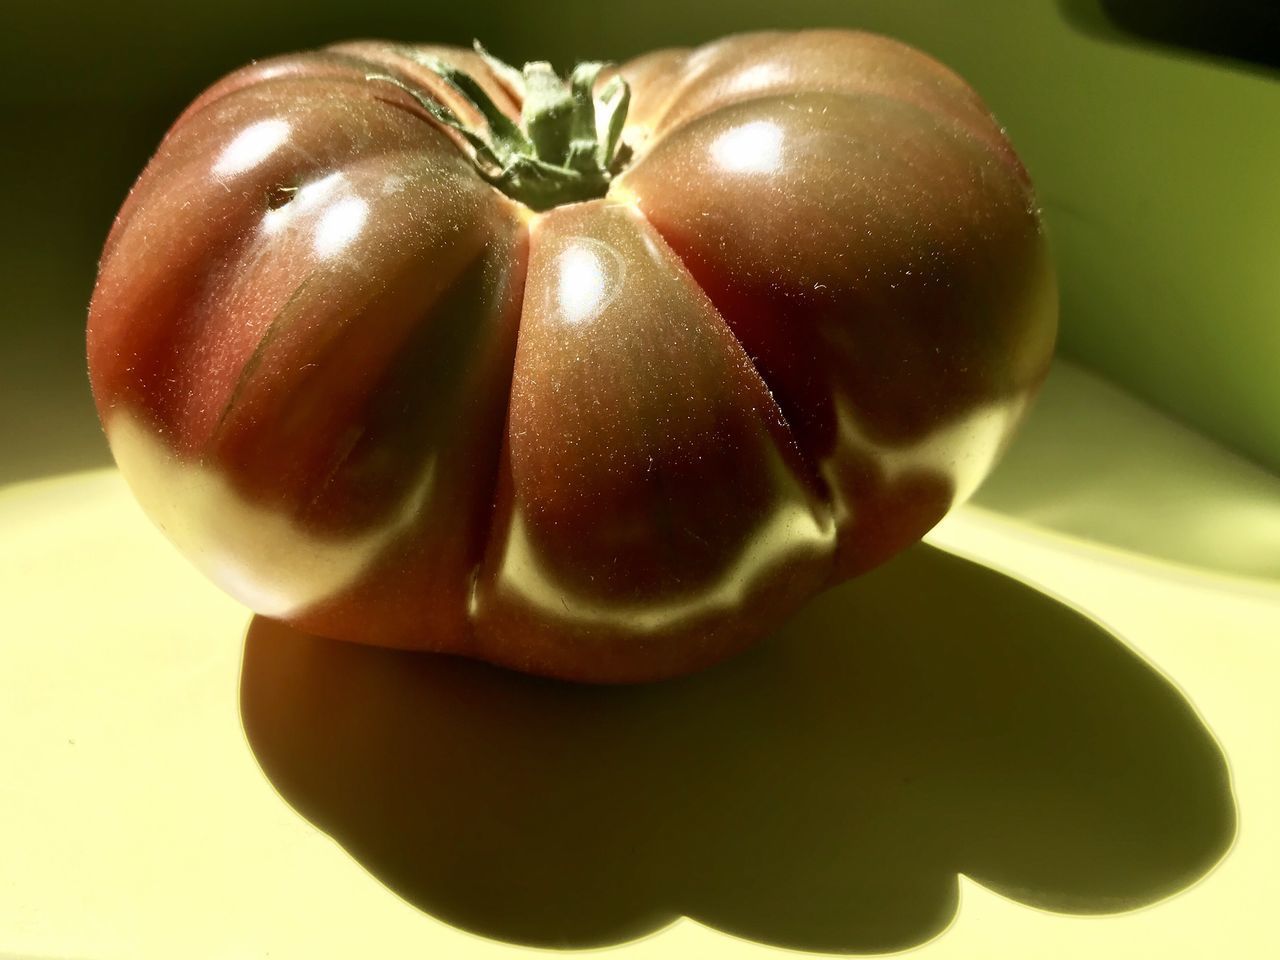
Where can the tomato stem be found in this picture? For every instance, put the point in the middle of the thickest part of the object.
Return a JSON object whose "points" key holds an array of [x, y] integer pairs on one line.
{"points": [[567, 146]]}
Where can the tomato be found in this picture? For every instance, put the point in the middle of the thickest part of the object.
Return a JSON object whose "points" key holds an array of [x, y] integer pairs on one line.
{"points": [[402, 346]]}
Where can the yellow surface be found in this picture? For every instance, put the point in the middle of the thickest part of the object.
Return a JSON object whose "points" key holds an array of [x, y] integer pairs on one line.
{"points": [[1095, 463], [1039, 751]]}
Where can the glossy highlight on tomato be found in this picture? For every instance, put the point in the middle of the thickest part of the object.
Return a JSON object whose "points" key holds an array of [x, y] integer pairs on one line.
{"points": [[369, 391]]}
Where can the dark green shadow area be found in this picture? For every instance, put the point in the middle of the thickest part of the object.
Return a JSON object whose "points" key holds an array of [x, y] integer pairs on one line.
{"points": [[1246, 31], [820, 793], [63, 174]]}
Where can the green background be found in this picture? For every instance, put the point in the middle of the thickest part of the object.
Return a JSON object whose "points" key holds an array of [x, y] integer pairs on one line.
{"points": [[1158, 165]]}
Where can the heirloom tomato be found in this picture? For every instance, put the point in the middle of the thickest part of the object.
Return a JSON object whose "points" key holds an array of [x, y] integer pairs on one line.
{"points": [[597, 378]]}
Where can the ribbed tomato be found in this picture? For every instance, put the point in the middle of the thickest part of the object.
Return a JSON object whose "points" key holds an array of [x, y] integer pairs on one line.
{"points": [[406, 347]]}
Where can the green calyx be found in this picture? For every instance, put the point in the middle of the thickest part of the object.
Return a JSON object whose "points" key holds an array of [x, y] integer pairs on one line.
{"points": [[566, 147]]}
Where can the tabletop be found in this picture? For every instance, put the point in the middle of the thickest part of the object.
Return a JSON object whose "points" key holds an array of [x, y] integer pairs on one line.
{"points": [[1048, 731]]}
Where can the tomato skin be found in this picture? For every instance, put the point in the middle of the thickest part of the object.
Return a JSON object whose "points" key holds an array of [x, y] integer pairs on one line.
{"points": [[370, 395]]}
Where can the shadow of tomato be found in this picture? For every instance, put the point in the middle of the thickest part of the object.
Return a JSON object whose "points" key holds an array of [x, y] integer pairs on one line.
{"points": [[822, 792]]}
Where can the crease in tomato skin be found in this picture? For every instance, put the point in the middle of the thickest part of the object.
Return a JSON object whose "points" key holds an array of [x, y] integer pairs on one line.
{"points": [[341, 347], [411, 361], [811, 467], [525, 573], [255, 358], [878, 515], [515, 306], [389, 595]]}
